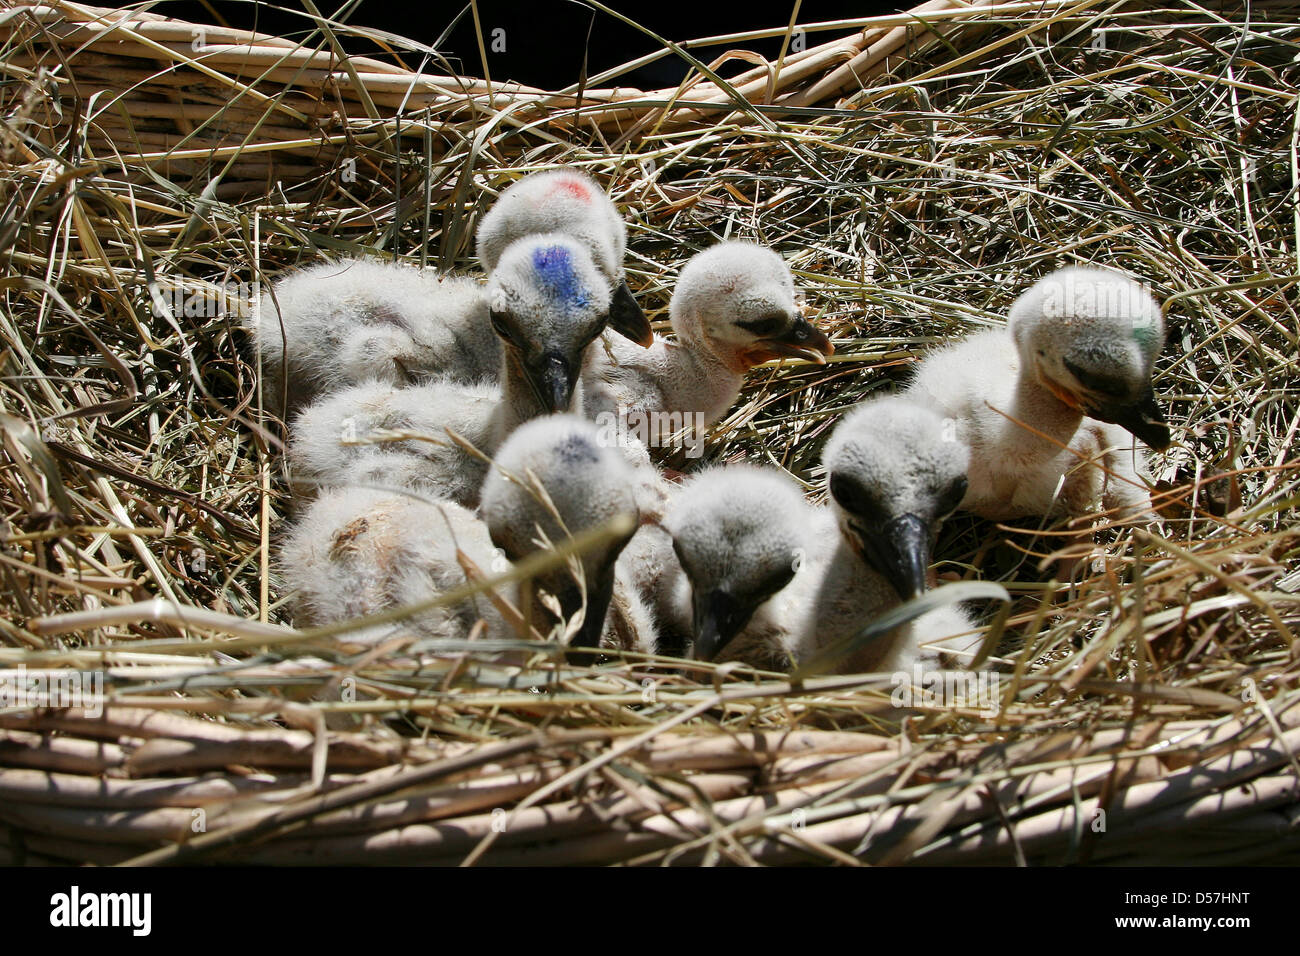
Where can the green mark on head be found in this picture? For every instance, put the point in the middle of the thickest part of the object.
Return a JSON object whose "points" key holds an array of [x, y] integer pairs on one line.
{"points": [[1145, 335]]}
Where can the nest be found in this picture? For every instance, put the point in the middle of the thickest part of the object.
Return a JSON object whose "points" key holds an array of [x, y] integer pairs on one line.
{"points": [[1138, 687]]}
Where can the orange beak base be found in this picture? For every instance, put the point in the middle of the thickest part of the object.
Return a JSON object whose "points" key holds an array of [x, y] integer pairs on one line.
{"points": [[802, 341]]}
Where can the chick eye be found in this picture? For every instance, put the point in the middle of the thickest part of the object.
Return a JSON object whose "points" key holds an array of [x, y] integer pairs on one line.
{"points": [[501, 325], [1096, 382], [778, 580], [953, 495], [848, 495], [767, 325]]}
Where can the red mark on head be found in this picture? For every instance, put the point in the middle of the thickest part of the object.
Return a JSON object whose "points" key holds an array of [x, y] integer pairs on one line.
{"points": [[573, 188]]}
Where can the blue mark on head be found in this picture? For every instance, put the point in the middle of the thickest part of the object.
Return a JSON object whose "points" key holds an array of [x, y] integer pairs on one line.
{"points": [[554, 267], [574, 450]]}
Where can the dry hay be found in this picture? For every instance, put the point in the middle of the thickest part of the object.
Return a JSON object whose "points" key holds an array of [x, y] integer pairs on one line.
{"points": [[916, 171]]}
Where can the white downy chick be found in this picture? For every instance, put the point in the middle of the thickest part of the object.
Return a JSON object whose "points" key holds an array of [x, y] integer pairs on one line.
{"points": [[359, 551], [773, 581], [733, 308], [553, 480], [340, 323], [569, 202], [547, 306], [1073, 369], [355, 552]]}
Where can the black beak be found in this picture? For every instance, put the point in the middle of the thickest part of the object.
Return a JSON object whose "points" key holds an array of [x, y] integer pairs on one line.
{"points": [[626, 317], [599, 594], [1143, 418], [553, 380], [802, 340], [718, 618], [900, 551], [803, 334]]}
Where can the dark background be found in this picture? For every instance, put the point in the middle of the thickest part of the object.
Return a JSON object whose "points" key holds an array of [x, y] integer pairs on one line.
{"points": [[546, 40]]}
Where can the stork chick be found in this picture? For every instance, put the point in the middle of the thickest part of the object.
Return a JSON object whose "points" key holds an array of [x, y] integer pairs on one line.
{"points": [[865, 574], [548, 303], [553, 480], [899, 472], [568, 202], [1044, 404], [336, 324], [772, 580], [358, 551], [740, 534], [733, 308]]}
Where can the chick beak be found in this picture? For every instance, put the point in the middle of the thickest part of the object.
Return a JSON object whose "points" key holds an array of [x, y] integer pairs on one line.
{"points": [[718, 618], [599, 595], [552, 381], [626, 317], [900, 551], [600, 592], [1143, 418], [1063, 393], [802, 340]]}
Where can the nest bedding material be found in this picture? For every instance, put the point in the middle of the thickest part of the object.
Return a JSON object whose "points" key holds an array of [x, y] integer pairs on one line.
{"points": [[915, 171]]}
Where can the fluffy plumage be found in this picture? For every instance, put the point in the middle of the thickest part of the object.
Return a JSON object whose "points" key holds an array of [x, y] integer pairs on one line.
{"points": [[740, 535], [772, 580], [359, 551], [848, 593], [563, 200], [900, 470], [653, 573], [1072, 369], [553, 480], [732, 309], [850, 590], [356, 551], [343, 439], [567, 202], [336, 324], [546, 299]]}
